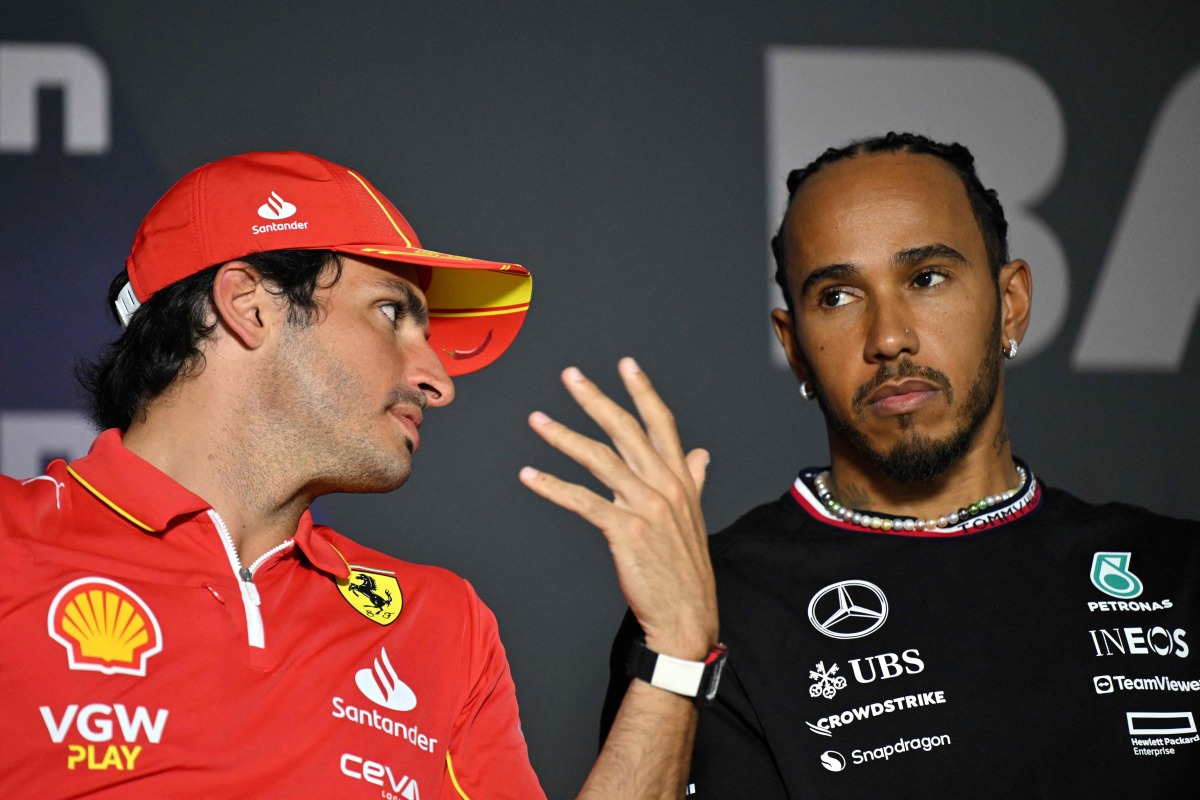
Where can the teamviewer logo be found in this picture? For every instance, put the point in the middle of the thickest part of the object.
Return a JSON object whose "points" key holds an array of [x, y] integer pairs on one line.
{"points": [[1104, 684]]}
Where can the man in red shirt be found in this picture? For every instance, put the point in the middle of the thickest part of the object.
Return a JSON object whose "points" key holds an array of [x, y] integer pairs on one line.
{"points": [[175, 623]]}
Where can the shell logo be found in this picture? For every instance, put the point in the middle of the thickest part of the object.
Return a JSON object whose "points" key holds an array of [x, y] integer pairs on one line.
{"points": [[104, 626]]}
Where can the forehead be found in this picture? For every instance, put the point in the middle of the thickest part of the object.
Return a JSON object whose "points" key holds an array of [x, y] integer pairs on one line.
{"points": [[872, 206], [378, 272]]}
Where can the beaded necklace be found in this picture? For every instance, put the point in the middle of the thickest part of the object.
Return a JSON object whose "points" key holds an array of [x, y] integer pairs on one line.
{"points": [[821, 482]]}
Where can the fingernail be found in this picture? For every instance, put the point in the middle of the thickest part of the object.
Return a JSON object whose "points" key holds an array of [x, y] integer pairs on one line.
{"points": [[538, 418], [629, 364], [573, 374], [528, 473]]}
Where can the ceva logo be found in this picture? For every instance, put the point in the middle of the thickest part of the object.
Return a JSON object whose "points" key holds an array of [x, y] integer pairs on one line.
{"points": [[276, 208], [364, 769]]}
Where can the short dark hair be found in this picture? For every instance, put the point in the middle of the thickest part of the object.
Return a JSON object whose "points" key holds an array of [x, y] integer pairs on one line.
{"points": [[985, 204], [162, 342]]}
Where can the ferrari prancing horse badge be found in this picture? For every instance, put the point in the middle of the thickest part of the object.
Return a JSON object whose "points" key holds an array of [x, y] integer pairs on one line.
{"points": [[374, 594]]}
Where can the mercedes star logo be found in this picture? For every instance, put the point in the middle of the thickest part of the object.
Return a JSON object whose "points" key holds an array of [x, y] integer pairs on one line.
{"points": [[861, 609]]}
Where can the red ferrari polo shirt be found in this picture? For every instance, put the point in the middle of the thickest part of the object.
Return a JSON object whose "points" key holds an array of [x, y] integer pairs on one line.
{"points": [[141, 660]]}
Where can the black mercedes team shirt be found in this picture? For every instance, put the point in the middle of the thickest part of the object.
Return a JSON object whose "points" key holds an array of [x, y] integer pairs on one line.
{"points": [[1045, 648]]}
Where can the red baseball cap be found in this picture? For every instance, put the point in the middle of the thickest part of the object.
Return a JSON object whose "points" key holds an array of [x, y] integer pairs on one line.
{"points": [[257, 202]]}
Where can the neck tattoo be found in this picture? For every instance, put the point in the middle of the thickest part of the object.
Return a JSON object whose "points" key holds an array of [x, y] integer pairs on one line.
{"points": [[821, 482]]}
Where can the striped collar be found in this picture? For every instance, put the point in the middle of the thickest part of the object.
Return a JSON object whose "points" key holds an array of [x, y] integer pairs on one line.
{"points": [[152, 501], [1026, 500]]}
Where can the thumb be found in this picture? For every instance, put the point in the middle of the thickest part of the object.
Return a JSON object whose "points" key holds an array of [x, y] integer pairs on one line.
{"points": [[697, 464]]}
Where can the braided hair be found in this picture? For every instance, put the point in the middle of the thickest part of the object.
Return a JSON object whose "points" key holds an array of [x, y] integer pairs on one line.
{"points": [[985, 204]]}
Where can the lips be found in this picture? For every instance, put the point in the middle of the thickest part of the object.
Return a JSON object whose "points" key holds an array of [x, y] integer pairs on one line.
{"points": [[410, 418], [900, 397]]}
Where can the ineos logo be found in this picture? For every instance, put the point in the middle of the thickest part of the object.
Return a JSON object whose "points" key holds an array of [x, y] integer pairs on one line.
{"points": [[848, 609]]}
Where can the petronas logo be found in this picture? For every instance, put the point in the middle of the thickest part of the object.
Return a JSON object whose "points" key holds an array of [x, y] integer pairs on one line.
{"points": [[1111, 575]]}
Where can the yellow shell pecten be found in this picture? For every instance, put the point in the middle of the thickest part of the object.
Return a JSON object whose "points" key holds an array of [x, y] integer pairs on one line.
{"points": [[106, 625]]}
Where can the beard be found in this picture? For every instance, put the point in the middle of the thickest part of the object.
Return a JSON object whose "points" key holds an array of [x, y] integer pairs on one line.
{"points": [[917, 456], [316, 421]]}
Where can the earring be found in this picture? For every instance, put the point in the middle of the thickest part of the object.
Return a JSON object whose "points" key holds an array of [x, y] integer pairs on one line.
{"points": [[807, 391], [1011, 353]]}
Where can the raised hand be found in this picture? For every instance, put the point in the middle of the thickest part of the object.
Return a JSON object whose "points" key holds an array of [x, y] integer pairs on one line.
{"points": [[653, 523]]}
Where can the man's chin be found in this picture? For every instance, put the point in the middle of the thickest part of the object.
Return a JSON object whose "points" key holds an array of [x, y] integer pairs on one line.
{"points": [[916, 457], [376, 479], [364, 487]]}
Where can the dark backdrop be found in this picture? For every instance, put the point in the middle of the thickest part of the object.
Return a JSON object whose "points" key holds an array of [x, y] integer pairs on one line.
{"points": [[632, 155]]}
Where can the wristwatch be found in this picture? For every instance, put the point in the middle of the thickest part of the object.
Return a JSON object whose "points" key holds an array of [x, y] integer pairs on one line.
{"points": [[695, 679]]}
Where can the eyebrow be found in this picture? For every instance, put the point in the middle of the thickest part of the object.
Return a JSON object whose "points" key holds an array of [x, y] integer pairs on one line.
{"points": [[831, 272], [915, 255], [905, 258], [411, 305]]}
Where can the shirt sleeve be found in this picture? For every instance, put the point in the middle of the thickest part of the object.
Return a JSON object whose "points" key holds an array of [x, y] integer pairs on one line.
{"points": [[487, 758], [732, 758]]}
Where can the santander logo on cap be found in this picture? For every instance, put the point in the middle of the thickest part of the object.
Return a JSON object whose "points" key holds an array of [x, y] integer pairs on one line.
{"points": [[276, 208]]}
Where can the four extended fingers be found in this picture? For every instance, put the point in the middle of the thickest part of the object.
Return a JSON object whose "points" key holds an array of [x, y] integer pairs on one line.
{"points": [[656, 534]]}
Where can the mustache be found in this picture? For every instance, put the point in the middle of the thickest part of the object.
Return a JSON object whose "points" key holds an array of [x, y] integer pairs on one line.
{"points": [[904, 369], [410, 397]]}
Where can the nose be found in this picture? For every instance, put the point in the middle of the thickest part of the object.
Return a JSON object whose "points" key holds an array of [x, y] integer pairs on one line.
{"points": [[427, 374], [890, 333]]}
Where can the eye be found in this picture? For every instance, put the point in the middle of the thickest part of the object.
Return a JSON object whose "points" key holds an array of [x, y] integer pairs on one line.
{"points": [[835, 297], [928, 279], [391, 311]]}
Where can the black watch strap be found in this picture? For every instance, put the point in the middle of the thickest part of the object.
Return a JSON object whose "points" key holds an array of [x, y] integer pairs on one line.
{"points": [[695, 679]]}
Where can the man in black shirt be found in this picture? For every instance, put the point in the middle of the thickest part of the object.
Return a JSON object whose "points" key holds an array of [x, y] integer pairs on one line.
{"points": [[924, 618]]}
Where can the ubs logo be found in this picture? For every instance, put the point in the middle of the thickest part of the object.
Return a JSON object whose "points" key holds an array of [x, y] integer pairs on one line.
{"points": [[887, 665], [848, 609]]}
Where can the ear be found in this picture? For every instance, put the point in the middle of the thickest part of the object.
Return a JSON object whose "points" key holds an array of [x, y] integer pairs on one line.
{"points": [[785, 331], [1016, 297], [243, 305]]}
